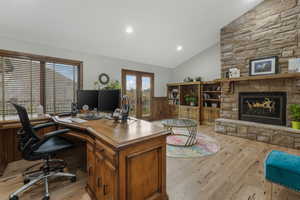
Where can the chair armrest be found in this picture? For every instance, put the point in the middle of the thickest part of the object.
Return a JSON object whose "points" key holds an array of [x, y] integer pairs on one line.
{"points": [[55, 133], [44, 125]]}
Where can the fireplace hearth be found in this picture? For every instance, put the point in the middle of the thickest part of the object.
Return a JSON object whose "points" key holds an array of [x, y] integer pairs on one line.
{"points": [[263, 107]]}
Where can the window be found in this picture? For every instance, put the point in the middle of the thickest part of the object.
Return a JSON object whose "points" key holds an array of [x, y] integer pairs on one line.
{"points": [[61, 86], [20, 83], [34, 82]]}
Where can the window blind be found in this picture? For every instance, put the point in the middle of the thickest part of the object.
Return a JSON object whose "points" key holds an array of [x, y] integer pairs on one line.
{"points": [[32, 83], [20, 83], [61, 86]]}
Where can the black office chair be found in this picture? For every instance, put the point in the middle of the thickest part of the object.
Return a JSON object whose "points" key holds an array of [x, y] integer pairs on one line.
{"points": [[35, 148]]}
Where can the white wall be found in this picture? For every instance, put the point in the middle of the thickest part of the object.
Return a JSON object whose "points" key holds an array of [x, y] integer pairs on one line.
{"points": [[206, 64], [93, 64]]}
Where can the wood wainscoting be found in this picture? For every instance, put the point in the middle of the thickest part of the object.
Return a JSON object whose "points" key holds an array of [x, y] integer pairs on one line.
{"points": [[8, 147], [160, 108], [9, 142]]}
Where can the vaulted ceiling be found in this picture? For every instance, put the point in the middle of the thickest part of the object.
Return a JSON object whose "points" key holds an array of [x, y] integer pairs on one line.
{"points": [[98, 26]]}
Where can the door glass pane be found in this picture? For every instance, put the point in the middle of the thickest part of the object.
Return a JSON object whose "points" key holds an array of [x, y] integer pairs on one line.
{"points": [[146, 96], [131, 93]]}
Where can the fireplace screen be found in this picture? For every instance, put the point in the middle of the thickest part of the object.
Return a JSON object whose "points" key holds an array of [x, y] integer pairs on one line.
{"points": [[263, 107]]}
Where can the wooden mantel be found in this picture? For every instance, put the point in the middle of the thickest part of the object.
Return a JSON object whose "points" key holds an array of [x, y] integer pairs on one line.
{"points": [[263, 77], [227, 84]]}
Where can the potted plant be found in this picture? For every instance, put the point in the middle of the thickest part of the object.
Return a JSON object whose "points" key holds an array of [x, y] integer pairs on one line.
{"points": [[193, 101], [188, 79], [190, 100], [295, 112], [187, 99], [113, 85]]}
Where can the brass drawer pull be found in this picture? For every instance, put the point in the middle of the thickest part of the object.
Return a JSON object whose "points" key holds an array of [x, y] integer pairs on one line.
{"points": [[90, 171], [105, 189]]}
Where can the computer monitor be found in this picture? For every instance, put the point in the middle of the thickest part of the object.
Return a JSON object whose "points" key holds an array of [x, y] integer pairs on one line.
{"points": [[87, 97], [109, 100]]}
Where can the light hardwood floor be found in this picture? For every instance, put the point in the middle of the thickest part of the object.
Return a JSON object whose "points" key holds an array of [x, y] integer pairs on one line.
{"points": [[234, 173]]}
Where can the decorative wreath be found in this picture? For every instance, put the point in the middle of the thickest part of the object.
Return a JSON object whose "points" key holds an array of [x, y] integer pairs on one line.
{"points": [[103, 79]]}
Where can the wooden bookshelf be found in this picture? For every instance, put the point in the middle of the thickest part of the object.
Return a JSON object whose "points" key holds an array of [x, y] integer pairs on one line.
{"points": [[211, 100], [181, 106], [184, 83], [212, 91], [217, 100], [205, 110]]}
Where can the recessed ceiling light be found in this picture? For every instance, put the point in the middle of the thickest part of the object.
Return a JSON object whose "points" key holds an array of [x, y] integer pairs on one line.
{"points": [[179, 48], [129, 29]]}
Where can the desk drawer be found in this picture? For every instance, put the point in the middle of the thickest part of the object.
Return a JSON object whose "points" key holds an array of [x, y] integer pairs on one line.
{"points": [[108, 153]]}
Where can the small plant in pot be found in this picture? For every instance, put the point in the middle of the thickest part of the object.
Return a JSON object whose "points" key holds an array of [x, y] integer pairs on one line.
{"points": [[295, 112], [190, 100], [187, 99], [193, 101]]}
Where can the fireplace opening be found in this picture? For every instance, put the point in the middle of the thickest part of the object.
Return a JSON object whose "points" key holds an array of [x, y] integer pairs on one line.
{"points": [[263, 107]]}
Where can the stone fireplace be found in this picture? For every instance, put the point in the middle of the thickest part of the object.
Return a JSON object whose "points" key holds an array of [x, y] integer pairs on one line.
{"points": [[263, 107], [283, 91], [269, 120], [257, 108]]}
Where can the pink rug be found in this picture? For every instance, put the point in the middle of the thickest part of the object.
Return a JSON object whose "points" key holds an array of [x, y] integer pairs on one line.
{"points": [[205, 146]]}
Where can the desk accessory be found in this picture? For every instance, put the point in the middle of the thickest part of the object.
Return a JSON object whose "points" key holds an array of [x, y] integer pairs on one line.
{"points": [[123, 113]]}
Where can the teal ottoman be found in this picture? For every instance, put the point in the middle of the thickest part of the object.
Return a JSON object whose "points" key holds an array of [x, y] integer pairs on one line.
{"points": [[284, 169]]}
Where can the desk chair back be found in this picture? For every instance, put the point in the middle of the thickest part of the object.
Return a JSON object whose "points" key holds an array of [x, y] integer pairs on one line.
{"points": [[27, 135]]}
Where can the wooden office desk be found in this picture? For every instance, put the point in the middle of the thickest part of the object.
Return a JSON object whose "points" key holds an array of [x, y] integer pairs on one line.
{"points": [[124, 161]]}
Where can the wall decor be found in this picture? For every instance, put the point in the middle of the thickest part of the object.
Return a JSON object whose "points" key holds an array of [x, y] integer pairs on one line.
{"points": [[263, 66], [234, 73], [188, 79], [113, 85], [199, 78], [103, 79], [294, 65]]}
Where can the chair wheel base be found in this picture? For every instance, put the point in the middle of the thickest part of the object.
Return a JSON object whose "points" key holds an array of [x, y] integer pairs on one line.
{"points": [[14, 198], [73, 179], [26, 181], [46, 198]]}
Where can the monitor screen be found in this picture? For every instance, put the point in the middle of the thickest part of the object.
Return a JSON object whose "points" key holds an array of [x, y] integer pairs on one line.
{"points": [[87, 97], [109, 100]]}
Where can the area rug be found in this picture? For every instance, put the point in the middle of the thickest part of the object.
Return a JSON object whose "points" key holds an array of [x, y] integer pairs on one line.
{"points": [[205, 146]]}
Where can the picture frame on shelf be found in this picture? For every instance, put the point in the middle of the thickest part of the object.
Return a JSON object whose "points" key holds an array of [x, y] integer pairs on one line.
{"points": [[294, 65], [234, 73], [263, 66]]}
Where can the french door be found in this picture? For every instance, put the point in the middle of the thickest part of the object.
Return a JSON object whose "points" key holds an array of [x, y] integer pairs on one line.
{"points": [[139, 86]]}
